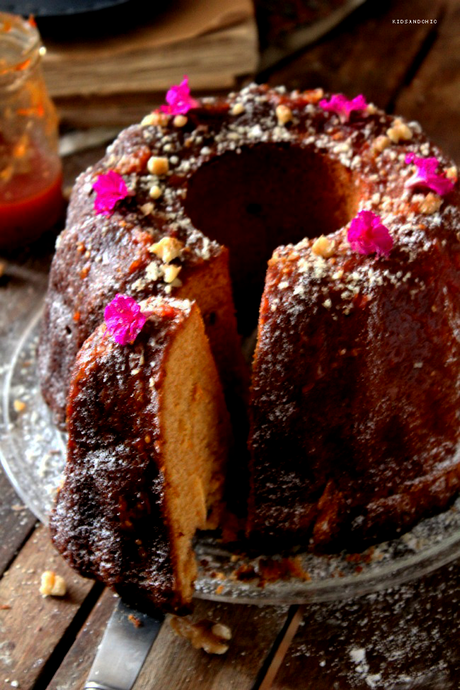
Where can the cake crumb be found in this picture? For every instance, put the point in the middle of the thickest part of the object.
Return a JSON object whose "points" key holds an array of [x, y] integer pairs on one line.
{"points": [[135, 621], [52, 585], [19, 406], [212, 637]]}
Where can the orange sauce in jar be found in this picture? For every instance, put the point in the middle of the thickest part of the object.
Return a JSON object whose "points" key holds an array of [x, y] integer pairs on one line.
{"points": [[30, 203], [31, 199]]}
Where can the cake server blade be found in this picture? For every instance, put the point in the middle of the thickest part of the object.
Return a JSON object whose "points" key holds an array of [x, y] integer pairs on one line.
{"points": [[124, 647]]}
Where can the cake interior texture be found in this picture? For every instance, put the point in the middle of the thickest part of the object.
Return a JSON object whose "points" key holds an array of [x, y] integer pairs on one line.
{"points": [[195, 449], [149, 437]]}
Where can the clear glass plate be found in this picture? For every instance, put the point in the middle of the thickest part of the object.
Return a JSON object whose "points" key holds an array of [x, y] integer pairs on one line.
{"points": [[33, 456]]}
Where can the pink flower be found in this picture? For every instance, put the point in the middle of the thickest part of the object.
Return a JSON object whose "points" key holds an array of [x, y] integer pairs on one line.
{"points": [[110, 188], [343, 106], [367, 234], [124, 319], [426, 175], [179, 99]]}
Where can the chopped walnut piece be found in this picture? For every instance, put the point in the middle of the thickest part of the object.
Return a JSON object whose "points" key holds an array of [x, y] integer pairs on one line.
{"points": [[381, 143], [170, 273], [207, 635], [452, 173], [133, 162], [323, 247], [158, 165], [180, 121], [156, 118], [147, 209], [284, 114], [52, 585], [238, 109], [155, 192], [399, 131], [430, 204], [313, 95], [167, 249]]}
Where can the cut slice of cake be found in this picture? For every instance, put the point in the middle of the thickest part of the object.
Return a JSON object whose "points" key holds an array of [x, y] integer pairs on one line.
{"points": [[149, 436]]}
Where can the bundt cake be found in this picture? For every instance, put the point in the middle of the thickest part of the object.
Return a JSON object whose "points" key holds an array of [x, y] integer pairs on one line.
{"points": [[148, 439], [354, 404]]}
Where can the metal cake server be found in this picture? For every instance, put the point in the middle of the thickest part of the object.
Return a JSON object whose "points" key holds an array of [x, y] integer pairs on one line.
{"points": [[124, 647]]}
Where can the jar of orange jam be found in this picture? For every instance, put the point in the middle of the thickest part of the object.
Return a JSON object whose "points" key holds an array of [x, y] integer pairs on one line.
{"points": [[31, 199]]}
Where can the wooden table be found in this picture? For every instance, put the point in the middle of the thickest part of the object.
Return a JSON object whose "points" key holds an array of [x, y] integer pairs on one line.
{"points": [[400, 639]]}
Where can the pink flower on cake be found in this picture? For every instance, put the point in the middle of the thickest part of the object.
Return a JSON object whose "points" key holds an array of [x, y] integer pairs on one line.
{"points": [[343, 106], [367, 234], [110, 188], [124, 319], [179, 99], [426, 176]]}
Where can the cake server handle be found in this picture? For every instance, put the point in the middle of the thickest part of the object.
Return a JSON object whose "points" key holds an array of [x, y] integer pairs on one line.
{"points": [[124, 647]]}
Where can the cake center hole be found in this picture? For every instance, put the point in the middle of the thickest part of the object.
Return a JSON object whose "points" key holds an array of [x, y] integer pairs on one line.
{"points": [[260, 198]]}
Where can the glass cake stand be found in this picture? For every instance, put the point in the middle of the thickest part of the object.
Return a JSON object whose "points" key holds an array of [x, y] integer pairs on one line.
{"points": [[32, 452]]}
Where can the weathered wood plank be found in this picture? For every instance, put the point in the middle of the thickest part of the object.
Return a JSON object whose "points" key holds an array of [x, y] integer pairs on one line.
{"points": [[31, 626], [248, 652], [433, 96], [174, 663], [401, 639], [366, 54], [16, 523], [73, 671]]}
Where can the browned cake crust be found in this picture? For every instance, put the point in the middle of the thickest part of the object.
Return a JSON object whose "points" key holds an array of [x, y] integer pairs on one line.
{"points": [[99, 256], [116, 515], [355, 390]]}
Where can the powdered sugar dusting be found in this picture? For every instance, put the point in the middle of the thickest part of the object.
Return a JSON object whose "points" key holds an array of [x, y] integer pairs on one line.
{"points": [[35, 451]]}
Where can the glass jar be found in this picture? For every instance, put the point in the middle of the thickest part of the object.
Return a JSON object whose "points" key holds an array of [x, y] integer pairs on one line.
{"points": [[31, 199]]}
